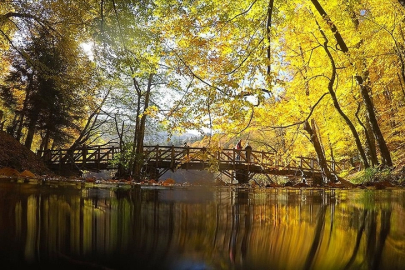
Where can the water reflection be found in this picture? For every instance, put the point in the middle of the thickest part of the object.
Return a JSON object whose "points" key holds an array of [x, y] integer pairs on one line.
{"points": [[91, 227]]}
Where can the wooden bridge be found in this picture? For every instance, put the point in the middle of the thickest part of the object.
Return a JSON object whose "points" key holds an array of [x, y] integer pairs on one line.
{"points": [[239, 164]]}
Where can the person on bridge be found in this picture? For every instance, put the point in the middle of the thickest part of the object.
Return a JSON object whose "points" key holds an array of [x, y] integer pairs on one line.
{"points": [[238, 148], [186, 150], [248, 150]]}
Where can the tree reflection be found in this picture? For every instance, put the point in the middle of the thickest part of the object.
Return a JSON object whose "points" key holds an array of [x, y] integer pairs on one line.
{"points": [[213, 228]]}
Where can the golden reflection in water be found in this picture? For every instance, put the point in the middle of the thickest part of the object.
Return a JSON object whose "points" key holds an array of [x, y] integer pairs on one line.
{"points": [[221, 228]]}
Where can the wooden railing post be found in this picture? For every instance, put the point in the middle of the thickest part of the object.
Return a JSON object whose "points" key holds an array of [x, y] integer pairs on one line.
{"points": [[203, 150], [172, 161], [157, 156], [312, 168], [248, 153], [60, 159], [98, 157], [187, 157], [84, 155]]}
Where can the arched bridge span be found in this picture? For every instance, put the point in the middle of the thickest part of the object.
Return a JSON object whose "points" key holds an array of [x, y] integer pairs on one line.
{"points": [[242, 164]]}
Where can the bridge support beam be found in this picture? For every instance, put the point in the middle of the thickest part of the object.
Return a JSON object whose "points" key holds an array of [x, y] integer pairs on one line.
{"points": [[242, 176]]}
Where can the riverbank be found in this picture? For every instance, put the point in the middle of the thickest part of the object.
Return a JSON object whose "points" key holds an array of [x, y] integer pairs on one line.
{"points": [[15, 156], [8, 174]]}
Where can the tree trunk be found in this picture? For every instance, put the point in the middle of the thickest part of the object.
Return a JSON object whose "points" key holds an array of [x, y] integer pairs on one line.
{"points": [[18, 125], [90, 125], [121, 168], [326, 174], [45, 141], [364, 89], [372, 153], [134, 157], [1, 120], [268, 26], [337, 105], [371, 144], [24, 110], [141, 133], [31, 131], [385, 153]]}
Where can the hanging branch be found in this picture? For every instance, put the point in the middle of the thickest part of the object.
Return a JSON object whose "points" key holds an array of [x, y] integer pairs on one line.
{"points": [[92, 124], [306, 119], [268, 26]]}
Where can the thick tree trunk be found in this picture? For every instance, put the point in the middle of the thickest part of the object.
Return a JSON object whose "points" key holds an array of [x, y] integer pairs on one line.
{"points": [[141, 134], [45, 141], [326, 174], [121, 169], [31, 131], [385, 153], [371, 144], [372, 152], [19, 123]]}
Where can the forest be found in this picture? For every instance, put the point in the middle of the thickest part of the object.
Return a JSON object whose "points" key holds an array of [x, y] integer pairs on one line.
{"points": [[315, 78]]}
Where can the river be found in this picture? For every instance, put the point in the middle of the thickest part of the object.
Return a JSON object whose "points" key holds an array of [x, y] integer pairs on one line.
{"points": [[75, 225]]}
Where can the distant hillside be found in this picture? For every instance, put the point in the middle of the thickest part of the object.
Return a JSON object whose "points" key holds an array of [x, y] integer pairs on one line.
{"points": [[17, 156]]}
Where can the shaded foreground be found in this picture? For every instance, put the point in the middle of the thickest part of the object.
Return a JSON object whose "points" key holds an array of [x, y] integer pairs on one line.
{"points": [[86, 226]]}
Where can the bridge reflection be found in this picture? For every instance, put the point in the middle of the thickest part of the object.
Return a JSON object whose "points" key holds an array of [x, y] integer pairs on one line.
{"points": [[215, 228]]}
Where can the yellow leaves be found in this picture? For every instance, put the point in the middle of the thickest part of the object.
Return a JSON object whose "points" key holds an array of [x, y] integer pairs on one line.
{"points": [[151, 111], [225, 46]]}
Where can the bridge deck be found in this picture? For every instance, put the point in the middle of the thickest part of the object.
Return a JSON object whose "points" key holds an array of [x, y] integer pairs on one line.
{"points": [[164, 158]]}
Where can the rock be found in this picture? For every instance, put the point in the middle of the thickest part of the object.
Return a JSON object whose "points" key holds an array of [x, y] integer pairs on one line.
{"points": [[9, 172], [289, 184], [153, 182], [301, 185], [28, 174], [91, 179], [169, 182]]}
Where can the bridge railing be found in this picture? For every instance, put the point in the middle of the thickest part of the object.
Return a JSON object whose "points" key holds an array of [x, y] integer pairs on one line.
{"points": [[312, 164], [187, 155], [268, 160], [93, 156]]}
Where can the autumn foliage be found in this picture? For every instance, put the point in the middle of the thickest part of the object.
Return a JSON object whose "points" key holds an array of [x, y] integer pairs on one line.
{"points": [[301, 78]]}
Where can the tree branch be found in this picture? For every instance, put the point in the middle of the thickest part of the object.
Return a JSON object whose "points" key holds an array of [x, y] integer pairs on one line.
{"points": [[306, 119]]}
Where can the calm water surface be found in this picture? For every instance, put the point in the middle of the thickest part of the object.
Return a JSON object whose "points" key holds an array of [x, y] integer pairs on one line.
{"points": [[77, 226]]}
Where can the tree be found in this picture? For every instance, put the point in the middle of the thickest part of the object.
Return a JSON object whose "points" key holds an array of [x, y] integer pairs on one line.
{"points": [[362, 80], [130, 48], [236, 42], [49, 62]]}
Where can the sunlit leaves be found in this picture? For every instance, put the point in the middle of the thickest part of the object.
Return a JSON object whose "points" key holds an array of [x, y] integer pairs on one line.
{"points": [[222, 47]]}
